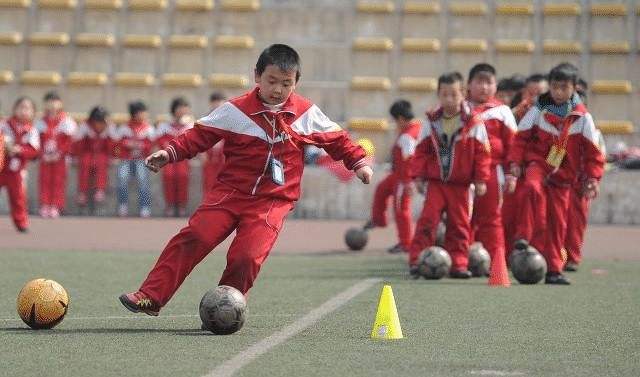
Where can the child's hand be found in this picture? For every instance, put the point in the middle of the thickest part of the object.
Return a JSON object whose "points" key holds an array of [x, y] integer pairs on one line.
{"points": [[511, 182], [591, 189], [14, 150], [364, 174], [157, 160], [515, 170], [481, 188], [421, 186]]}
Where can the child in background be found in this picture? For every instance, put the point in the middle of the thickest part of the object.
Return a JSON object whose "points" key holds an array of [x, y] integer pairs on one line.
{"points": [[56, 130], [134, 141], [21, 144], [175, 177], [213, 158], [453, 153]]}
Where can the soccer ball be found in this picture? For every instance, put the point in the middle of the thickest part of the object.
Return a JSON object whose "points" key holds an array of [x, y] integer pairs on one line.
{"points": [[479, 260], [42, 303], [434, 263], [222, 310], [356, 238], [527, 265]]}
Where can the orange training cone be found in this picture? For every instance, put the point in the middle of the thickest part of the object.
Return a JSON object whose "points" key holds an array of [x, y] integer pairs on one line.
{"points": [[498, 275]]}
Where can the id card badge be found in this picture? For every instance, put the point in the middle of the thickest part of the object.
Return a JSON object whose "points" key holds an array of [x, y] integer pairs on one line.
{"points": [[277, 172], [555, 156]]}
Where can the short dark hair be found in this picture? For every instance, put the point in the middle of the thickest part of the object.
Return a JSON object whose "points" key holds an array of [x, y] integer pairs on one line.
{"points": [[98, 114], [401, 108], [583, 83], [52, 96], [481, 68], [217, 96], [178, 102], [280, 55], [564, 72], [136, 107], [23, 99], [536, 77], [449, 78], [518, 82], [505, 84]]}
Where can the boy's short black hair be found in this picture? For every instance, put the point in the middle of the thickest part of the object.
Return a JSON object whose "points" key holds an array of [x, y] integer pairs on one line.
{"points": [[217, 96], [564, 72], [481, 68], [583, 83], [450, 78], [536, 77], [136, 107], [98, 114], [401, 108], [505, 84], [23, 99], [178, 102], [52, 96], [518, 82], [280, 55]]}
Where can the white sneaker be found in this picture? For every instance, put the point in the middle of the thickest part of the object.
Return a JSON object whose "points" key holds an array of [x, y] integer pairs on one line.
{"points": [[54, 213], [145, 212], [123, 210], [45, 211]]}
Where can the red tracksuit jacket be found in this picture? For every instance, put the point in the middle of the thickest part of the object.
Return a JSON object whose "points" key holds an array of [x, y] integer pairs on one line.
{"points": [[56, 135], [134, 140], [254, 135], [93, 149], [501, 127], [24, 135], [403, 150]]}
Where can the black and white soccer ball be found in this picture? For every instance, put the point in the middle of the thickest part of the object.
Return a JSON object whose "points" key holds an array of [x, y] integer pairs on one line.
{"points": [[479, 260], [223, 310], [434, 263]]}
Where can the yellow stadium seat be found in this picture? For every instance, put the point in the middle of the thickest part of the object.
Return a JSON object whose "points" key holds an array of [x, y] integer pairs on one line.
{"points": [[611, 87], [181, 80], [87, 79], [10, 38], [6, 77], [133, 79], [119, 118], [515, 9], [78, 117], [420, 45], [103, 4], [422, 7], [468, 8], [230, 81], [188, 41], [515, 46], [610, 47], [49, 39], [15, 3], [467, 45], [40, 78], [417, 84], [372, 44], [561, 9], [551, 46], [194, 5], [370, 83], [141, 41], [609, 10], [147, 5], [240, 5], [375, 6], [234, 42], [95, 40], [368, 124], [57, 4], [615, 127]]}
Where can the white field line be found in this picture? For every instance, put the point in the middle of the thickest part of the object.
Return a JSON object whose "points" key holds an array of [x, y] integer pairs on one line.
{"points": [[229, 367]]}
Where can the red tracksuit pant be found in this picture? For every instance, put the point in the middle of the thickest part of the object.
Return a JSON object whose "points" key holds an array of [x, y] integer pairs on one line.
{"points": [[257, 222], [53, 183], [175, 181], [486, 221], [510, 205], [543, 213], [92, 172], [392, 188], [576, 224], [17, 197], [454, 200]]}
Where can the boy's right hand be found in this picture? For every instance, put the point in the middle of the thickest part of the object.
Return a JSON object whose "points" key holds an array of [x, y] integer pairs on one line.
{"points": [[511, 182], [157, 160]]}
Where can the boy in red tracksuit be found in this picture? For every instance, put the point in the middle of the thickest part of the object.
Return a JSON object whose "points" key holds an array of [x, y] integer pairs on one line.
{"points": [[56, 130], [22, 143], [265, 131], [453, 153], [556, 144], [213, 158], [93, 145], [486, 221], [398, 185], [175, 177]]}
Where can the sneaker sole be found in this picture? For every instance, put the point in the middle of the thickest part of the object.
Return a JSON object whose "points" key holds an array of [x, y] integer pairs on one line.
{"points": [[127, 304]]}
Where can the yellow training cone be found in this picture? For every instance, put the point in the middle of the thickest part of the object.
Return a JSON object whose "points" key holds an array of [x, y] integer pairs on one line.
{"points": [[387, 325]]}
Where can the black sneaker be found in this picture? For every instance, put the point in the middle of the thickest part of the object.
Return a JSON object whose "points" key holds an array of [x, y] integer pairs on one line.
{"points": [[460, 274], [556, 278], [571, 267], [369, 225], [414, 273]]}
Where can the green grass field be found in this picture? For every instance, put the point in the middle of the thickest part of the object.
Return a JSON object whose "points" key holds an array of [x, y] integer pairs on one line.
{"points": [[451, 328]]}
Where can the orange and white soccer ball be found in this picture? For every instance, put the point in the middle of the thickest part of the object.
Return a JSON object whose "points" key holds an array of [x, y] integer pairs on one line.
{"points": [[42, 303]]}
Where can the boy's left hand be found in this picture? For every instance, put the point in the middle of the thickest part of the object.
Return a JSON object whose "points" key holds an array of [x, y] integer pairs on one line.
{"points": [[364, 174], [591, 189]]}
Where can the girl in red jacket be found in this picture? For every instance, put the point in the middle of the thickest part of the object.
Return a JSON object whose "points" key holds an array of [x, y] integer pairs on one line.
{"points": [[56, 130], [453, 153], [265, 131], [22, 143]]}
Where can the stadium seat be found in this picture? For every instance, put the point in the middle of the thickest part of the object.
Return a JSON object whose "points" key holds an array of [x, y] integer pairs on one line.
{"points": [[146, 17], [186, 53], [181, 80], [514, 21], [100, 16], [94, 52], [129, 86], [192, 17], [374, 19], [237, 17], [421, 19], [420, 57], [49, 51], [371, 56], [561, 20], [233, 54], [326, 63], [611, 87], [330, 97], [12, 51], [421, 7], [6, 77], [36, 83], [417, 84], [611, 99], [139, 53], [54, 16], [514, 56], [184, 85], [370, 83], [509, 8], [228, 81], [615, 127], [468, 19], [369, 96], [85, 90], [557, 51], [13, 15], [610, 60], [468, 8], [465, 52], [240, 5]]}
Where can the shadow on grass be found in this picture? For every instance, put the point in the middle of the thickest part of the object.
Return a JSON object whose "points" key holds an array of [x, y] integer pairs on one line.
{"points": [[88, 331]]}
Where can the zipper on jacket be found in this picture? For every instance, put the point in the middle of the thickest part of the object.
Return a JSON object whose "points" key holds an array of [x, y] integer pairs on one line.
{"points": [[266, 164]]}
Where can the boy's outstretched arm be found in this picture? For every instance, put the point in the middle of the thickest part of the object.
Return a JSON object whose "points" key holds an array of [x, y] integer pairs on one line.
{"points": [[187, 145]]}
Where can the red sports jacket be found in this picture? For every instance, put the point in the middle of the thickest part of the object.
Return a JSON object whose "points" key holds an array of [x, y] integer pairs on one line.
{"points": [[91, 142], [56, 135], [501, 127], [26, 136], [253, 135], [134, 140], [403, 151], [468, 152]]}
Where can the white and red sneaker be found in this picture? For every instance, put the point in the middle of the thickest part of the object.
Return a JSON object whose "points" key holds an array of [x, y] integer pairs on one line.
{"points": [[138, 302]]}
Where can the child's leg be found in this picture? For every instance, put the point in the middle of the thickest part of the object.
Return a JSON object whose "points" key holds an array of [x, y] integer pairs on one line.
{"points": [[124, 170], [425, 233], [101, 172], [59, 184], [144, 184], [576, 225], [557, 212], [402, 211], [45, 181], [84, 169], [531, 218], [17, 200], [384, 190], [487, 216], [458, 226]]}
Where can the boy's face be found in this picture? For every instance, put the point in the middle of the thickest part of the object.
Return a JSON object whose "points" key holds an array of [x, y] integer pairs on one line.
{"points": [[275, 85], [24, 111], [451, 97], [482, 87], [561, 91], [99, 125], [534, 89], [140, 116], [215, 104], [182, 111], [53, 106]]}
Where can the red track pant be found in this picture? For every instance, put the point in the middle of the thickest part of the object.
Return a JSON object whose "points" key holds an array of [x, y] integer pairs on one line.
{"points": [[454, 200], [17, 197], [576, 224], [92, 172], [543, 214], [53, 183], [510, 205], [175, 181], [486, 221], [391, 188], [257, 222]]}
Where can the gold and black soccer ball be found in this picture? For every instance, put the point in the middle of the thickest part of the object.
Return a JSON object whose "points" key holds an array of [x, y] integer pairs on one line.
{"points": [[42, 303]]}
